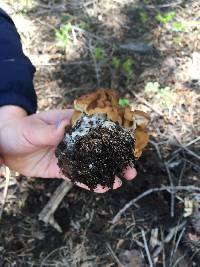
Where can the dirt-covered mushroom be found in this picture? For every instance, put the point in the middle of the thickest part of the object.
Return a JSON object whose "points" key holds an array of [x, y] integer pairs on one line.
{"points": [[104, 139]]}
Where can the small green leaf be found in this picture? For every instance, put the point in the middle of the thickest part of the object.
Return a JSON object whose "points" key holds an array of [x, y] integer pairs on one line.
{"points": [[123, 102], [116, 62], [152, 87], [127, 67], [178, 26], [143, 16], [84, 25], [99, 53], [62, 34], [166, 17], [159, 93]]}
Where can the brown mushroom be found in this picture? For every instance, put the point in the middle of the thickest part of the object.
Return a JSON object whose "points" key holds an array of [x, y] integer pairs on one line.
{"points": [[99, 98], [106, 101]]}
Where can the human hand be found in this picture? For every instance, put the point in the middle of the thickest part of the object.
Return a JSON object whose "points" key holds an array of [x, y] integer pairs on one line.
{"points": [[28, 143]]}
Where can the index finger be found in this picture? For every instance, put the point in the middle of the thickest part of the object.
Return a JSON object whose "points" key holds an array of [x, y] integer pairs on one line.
{"points": [[55, 116], [129, 173]]}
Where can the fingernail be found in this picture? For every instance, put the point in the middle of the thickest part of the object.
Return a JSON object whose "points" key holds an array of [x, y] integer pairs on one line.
{"points": [[119, 180], [129, 173], [117, 183]]}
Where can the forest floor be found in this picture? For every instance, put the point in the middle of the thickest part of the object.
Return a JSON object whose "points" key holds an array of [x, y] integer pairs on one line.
{"points": [[149, 51]]}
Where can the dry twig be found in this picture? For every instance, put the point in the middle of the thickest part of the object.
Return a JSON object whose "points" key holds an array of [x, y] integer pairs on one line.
{"points": [[173, 252], [114, 255], [191, 153], [189, 188], [171, 191], [78, 90], [5, 192], [168, 238], [187, 145], [147, 249], [96, 65], [47, 214], [172, 4]]}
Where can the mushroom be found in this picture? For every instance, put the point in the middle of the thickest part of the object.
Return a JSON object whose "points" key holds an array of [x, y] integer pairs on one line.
{"points": [[106, 101]]}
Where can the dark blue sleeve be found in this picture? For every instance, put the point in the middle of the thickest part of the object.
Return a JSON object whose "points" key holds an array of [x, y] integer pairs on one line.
{"points": [[16, 70]]}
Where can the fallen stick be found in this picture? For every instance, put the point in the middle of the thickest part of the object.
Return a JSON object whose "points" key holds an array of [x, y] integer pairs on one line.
{"points": [[47, 214], [5, 192], [168, 238], [147, 248], [150, 191]]}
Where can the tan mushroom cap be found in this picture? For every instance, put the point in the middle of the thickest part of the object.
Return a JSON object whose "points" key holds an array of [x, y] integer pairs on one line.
{"points": [[100, 98], [139, 117], [106, 101], [141, 141]]}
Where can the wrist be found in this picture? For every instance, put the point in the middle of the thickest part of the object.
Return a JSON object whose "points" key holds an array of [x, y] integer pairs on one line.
{"points": [[8, 113], [11, 112]]}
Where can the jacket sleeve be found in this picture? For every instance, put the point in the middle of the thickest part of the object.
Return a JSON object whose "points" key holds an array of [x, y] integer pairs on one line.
{"points": [[16, 70]]}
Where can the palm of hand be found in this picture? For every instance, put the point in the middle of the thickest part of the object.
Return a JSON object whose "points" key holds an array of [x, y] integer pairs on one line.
{"points": [[30, 143]]}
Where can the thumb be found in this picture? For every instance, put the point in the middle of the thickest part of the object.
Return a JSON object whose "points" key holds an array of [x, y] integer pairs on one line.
{"points": [[60, 131], [53, 134], [39, 133]]}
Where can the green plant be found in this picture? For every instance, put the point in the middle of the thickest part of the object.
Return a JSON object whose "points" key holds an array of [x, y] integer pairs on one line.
{"points": [[152, 87], [116, 63], [166, 17], [127, 68], [143, 16], [146, 2], [84, 25], [164, 95], [85, 22], [123, 102], [159, 93], [178, 26], [99, 54], [62, 34]]}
